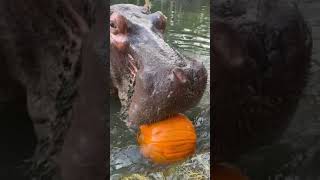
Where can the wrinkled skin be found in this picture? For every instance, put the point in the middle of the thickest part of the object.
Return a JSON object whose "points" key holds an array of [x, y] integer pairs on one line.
{"points": [[166, 82], [261, 63]]}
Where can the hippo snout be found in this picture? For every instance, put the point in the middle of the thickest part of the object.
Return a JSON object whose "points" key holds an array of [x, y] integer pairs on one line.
{"points": [[161, 92]]}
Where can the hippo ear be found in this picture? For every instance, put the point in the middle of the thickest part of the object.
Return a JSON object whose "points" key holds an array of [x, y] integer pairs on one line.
{"points": [[159, 21]]}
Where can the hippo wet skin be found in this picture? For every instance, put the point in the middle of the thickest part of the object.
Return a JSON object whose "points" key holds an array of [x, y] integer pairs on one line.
{"points": [[151, 79], [261, 58], [51, 68]]}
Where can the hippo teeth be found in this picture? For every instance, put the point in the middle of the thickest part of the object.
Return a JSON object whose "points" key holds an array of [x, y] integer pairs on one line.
{"points": [[133, 68], [133, 71]]}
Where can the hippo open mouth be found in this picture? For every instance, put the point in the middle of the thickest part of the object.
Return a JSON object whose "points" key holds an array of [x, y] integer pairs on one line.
{"points": [[150, 78]]}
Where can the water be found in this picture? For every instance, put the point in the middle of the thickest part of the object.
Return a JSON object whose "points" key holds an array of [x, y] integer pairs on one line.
{"points": [[188, 30], [296, 155]]}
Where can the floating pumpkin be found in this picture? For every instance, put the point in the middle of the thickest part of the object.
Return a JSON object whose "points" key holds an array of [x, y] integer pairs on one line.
{"points": [[169, 140]]}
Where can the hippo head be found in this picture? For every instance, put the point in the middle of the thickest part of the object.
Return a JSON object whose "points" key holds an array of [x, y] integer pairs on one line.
{"points": [[163, 81]]}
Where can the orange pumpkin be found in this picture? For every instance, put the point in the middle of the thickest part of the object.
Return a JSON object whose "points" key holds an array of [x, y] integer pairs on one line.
{"points": [[169, 140]]}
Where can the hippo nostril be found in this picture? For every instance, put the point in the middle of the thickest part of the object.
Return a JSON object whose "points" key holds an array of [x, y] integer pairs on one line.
{"points": [[179, 75]]}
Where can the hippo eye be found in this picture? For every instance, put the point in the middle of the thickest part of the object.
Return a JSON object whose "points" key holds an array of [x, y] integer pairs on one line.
{"points": [[113, 25], [118, 24]]}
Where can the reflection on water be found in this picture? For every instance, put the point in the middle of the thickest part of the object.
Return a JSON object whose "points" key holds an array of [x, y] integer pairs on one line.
{"points": [[188, 30], [189, 26], [188, 23]]}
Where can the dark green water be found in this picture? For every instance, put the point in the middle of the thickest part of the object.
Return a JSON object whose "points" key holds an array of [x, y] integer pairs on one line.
{"points": [[188, 23], [187, 30]]}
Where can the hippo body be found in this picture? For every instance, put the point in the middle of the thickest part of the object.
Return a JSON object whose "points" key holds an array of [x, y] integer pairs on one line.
{"points": [[50, 68], [150, 78], [262, 52]]}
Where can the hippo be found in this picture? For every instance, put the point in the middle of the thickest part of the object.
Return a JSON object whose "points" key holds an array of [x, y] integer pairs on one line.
{"points": [[152, 80], [261, 59], [53, 78]]}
